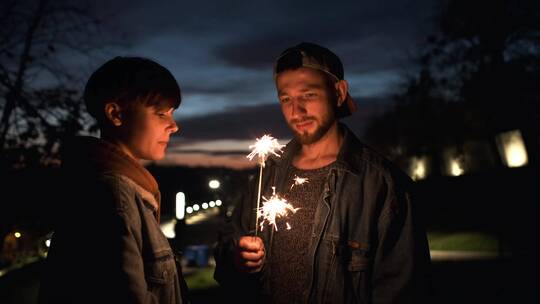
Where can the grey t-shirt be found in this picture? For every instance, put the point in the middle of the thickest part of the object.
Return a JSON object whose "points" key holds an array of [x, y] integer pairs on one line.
{"points": [[290, 272]]}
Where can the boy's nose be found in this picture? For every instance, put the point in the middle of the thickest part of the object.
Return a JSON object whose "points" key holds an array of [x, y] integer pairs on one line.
{"points": [[174, 126]]}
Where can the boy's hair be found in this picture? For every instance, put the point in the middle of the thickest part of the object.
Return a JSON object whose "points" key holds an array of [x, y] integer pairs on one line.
{"points": [[129, 81]]}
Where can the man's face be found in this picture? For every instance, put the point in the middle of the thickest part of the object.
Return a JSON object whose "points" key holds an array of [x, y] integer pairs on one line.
{"points": [[147, 131], [307, 103]]}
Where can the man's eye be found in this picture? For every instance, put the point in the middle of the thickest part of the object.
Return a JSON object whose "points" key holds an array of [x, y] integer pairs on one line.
{"points": [[310, 95], [285, 99]]}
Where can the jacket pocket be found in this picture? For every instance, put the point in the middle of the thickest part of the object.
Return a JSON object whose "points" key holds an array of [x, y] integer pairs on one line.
{"points": [[358, 265], [357, 259], [161, 268]]}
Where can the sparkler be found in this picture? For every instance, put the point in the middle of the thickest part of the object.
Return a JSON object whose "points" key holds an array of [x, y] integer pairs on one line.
{"points": [[274, 208], [299, 181], [263, 147]]}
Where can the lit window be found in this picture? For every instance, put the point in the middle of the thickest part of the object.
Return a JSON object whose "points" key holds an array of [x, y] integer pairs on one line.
{"points": [[418, 168], [456, 167], [512, 148]]}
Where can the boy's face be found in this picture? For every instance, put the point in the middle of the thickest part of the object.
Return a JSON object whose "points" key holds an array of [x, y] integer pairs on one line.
{"points": [[147, 130]]}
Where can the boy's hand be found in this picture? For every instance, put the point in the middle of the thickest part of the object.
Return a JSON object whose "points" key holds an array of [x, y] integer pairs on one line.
{"points": [[250, 254]]}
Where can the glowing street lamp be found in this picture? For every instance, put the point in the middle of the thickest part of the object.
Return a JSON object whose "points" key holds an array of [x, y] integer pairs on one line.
{"points": [[214, 184], [17, 234], [180, 205], [218, 202]]}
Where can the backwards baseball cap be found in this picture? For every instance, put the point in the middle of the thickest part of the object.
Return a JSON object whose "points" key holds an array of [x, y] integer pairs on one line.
{"points": [[314, 56]]}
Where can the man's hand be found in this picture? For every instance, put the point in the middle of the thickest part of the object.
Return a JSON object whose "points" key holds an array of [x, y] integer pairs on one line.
{"points": [[249, 256]]}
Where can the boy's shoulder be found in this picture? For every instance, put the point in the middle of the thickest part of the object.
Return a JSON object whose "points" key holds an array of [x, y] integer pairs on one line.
{"points": [[125, 191]]}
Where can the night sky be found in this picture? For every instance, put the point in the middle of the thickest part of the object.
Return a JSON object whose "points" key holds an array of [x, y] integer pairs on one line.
{"points": [[222, 53]]}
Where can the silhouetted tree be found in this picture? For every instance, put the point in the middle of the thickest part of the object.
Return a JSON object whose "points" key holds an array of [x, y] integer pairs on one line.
{"points": [[39, 102], [478, 76]]}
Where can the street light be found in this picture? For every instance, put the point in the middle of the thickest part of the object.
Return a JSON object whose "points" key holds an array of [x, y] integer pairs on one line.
{"points": [[214, 184], [180, 205]]}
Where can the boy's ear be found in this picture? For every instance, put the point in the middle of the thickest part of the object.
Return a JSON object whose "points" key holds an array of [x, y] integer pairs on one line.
{"points": [[113, 113]]}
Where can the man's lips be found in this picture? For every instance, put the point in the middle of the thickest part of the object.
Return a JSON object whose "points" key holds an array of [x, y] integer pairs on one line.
{"points": [[303, 124]]}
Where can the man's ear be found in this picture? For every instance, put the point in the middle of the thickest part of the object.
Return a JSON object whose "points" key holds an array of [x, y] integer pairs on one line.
{"points": [[342, 88], [113, 113]]}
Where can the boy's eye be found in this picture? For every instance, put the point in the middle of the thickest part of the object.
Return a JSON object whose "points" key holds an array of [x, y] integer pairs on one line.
{"points": [[165, 113]]}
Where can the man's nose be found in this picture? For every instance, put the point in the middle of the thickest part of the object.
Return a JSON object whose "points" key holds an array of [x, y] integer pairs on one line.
{"points": [[298, 107]]}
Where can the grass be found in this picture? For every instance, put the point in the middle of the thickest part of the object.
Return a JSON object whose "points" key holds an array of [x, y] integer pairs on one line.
{"points": [[466, 241], [202, 278]]}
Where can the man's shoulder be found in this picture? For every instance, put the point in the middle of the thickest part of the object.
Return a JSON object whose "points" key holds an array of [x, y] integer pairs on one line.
{"points": [[362, 158]]}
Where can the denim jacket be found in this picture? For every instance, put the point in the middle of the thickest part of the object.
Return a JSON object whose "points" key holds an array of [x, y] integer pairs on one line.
{"points": [[367, 244], [108, 247]]}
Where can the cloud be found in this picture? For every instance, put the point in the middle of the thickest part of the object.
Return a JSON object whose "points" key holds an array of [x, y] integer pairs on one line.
{"points": [[249, 122], [242, 122]]}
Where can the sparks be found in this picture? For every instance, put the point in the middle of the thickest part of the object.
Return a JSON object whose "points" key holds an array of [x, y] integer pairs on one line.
{"points": [[263, 147], [274, 208], [299, 181]]}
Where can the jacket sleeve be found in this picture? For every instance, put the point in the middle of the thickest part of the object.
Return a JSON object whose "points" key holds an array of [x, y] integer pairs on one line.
{"points": [[241, 223], [401, 261]]}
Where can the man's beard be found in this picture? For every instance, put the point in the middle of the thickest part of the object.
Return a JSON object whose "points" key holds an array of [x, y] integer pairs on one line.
{"points": [[306, 139]]}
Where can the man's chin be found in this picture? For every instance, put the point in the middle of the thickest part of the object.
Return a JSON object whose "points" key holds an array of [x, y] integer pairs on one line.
{"points": [[306, 138]]}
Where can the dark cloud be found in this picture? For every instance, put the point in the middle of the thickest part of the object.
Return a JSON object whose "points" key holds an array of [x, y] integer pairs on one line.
{"points": [[367, 35], [253, 121], [237, 123], [222, 53]]}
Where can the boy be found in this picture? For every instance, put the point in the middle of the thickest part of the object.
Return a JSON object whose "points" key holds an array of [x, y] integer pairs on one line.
{"points": [[107, 245]]}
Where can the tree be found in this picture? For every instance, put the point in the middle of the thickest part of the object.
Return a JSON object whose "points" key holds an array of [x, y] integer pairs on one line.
{"points": [[39, 103], [478, 77]]}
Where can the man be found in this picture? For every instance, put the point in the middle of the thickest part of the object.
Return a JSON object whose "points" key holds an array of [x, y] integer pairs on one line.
{"points": [[355, 237], [107, 245]]}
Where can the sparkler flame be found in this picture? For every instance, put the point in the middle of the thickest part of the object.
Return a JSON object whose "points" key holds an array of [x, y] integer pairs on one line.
{"points": [[263, 147], [274, 208], [299, 181]]}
